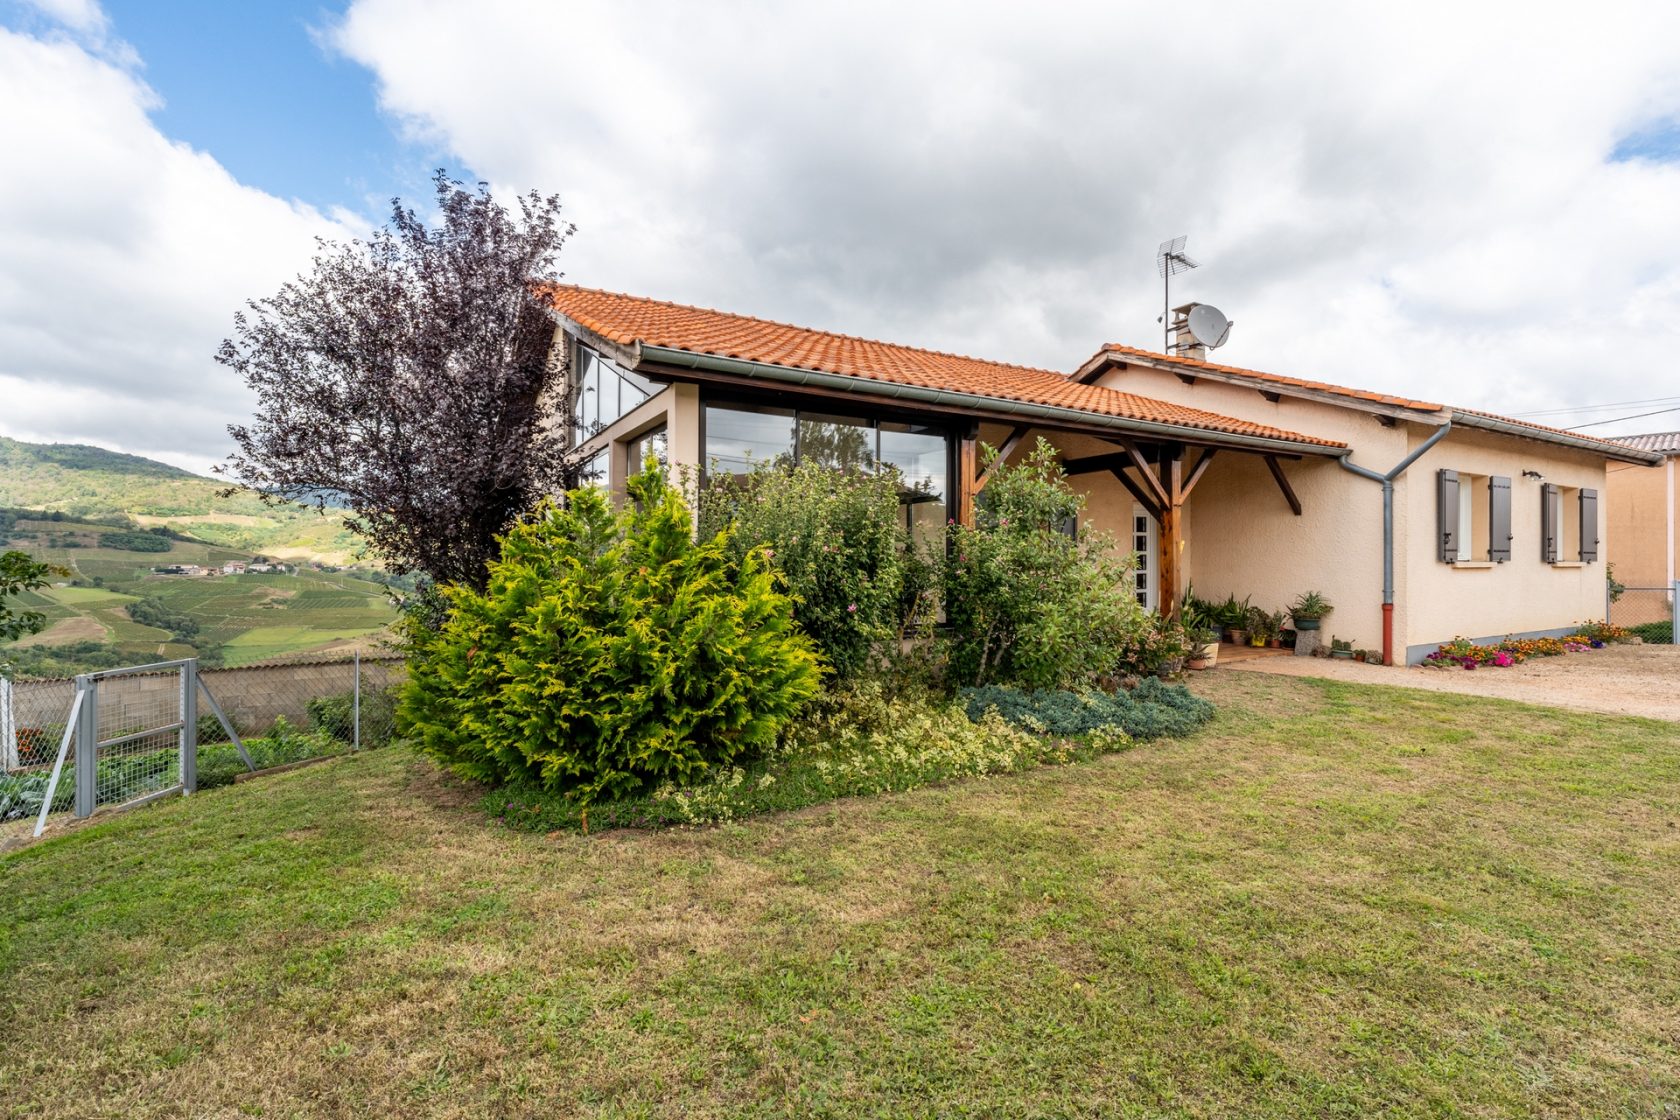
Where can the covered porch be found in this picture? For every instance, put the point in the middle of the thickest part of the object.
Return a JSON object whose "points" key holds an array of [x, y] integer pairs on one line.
{"points": [[1141, 491]]}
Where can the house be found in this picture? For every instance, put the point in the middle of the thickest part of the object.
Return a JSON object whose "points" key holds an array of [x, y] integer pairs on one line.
{"points": [[1644, 520], [233, 568], [1419, 521]]}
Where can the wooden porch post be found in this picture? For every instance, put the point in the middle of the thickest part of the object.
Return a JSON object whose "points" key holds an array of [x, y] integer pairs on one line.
{"points": [[968, 464], [1170, 530]]}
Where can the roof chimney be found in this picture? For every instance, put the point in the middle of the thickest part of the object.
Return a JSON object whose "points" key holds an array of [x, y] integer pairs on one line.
{"points": [[1185, 343]]}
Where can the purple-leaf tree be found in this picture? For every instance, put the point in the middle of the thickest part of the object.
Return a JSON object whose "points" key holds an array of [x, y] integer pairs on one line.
{"points": [[408, 378]]}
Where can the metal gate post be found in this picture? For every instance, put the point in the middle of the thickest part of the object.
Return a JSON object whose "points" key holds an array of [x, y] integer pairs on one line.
{"points": [[189, 726], [1674, 612], [9, 760], [87, 747], [356, 743]]}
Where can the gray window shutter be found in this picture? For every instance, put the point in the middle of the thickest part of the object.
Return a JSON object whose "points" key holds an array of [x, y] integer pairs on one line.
{"points": [[1548, 525], [1446, 515], [1589, 526], [1499, 519]]}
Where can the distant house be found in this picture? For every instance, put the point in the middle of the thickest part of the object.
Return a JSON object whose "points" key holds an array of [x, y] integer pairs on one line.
{"points": [[1644, 514], [180, 570], [233, 568], [1418, 520]]}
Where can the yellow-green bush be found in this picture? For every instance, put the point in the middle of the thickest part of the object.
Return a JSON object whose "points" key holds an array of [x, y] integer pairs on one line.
{"points": [[610, 653]]}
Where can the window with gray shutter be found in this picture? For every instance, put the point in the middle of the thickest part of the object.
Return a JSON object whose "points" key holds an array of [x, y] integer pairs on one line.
{"points": [[1550, 504], [1499, 519], [1446, 515], [1589, 526]]}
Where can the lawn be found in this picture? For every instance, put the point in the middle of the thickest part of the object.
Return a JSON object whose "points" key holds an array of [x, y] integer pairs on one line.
{"points": [[1336, 900]]}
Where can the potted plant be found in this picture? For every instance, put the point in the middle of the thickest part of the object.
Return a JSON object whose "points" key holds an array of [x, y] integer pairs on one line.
{"points": [[1277, 621], [1309, 610], [1201, 631], [1341, 649], [1233, 617], [1260, 628]]}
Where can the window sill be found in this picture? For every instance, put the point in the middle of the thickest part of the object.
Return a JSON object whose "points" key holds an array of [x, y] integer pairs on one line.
{"points": [[1568, 564], [1473, 565]]}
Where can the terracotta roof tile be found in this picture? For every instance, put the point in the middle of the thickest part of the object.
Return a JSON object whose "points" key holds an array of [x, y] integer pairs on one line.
{"points": [[628, 320], [1666, 443], [1276, 378], [1541, 431]]}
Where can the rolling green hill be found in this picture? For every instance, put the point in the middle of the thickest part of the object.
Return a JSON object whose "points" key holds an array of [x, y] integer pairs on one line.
{"points": [[111, 519], [92, 483]]}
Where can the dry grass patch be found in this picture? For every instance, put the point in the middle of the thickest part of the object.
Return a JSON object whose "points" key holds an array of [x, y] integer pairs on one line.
{"points": [[1338, 900]]}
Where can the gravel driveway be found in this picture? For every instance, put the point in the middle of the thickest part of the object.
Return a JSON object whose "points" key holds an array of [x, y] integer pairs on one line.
{"points": [[1617, 680]]}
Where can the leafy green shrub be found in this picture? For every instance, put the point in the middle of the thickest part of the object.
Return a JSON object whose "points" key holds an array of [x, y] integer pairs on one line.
{"points": [[837, 544], [1028, 601], [610, 652], [1152, 710], [336, 715], [220, 763], [1656, 633]]}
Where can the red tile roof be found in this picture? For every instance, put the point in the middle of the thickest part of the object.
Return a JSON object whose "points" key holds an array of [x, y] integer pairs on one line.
{"points": [[631, 320], [1276, 378], [1540, 431]]}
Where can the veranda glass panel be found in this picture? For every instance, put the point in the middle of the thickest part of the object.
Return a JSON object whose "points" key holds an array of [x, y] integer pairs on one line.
{"points": [[840, 442], [923, 459], [738, 440], [655, 443]]}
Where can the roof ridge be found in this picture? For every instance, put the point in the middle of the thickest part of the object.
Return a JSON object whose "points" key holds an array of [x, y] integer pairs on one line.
{"points": [[804, 330]]}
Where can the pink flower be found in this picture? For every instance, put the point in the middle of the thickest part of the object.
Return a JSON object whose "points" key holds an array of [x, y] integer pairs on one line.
{"points": [[851, 609]]}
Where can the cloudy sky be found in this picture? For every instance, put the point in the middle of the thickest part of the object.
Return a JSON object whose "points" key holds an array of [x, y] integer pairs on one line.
{"points": [[1471, 202]]}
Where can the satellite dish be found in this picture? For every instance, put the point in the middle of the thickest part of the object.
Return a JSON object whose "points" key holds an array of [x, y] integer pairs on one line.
{"points": [[1209, 326]]}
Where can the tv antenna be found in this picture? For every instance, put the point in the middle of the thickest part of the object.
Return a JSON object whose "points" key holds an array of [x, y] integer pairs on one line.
{"points": [[1170, 259]]}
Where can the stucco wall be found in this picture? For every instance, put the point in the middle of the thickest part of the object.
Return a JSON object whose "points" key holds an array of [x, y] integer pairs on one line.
{"points": [[1523, 595], [1242, 538], [1643, 512]]}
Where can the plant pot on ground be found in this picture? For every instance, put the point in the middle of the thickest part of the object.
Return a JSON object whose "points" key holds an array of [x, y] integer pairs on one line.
{"points": [[1341, 649], [1309, 610]]}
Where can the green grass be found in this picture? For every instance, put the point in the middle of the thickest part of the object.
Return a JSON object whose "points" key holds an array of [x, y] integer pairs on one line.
{"points": [[1335, 901]]}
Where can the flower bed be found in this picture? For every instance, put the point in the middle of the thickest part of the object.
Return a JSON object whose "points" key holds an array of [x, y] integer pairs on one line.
{"points": [[1463, 653]]}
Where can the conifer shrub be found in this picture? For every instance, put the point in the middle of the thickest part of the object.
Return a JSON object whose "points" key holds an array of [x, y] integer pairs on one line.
{"points": [[1152, 710], [610, 652]]}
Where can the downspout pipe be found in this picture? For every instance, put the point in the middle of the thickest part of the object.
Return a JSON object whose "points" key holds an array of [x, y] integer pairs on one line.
{"points": [[1387, 482]]}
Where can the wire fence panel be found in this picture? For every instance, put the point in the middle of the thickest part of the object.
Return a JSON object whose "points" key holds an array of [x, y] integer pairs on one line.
{"points": [[159, 729], [131, 733], [1648, 612], [34, 716]]}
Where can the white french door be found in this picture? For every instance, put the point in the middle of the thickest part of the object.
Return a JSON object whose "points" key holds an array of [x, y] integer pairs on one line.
{"points": [[1143, 542]]}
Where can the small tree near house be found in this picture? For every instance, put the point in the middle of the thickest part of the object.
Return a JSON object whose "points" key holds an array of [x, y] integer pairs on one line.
{"points": [[408, 378]]}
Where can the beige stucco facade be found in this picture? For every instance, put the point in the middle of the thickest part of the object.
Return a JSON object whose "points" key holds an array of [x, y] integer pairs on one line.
{"points": [[1242, 538], [1643, 521], [1239, 534]]}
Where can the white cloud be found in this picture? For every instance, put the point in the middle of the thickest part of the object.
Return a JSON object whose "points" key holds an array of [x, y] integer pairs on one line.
{"points": [[1414, 198], [123, 256]]}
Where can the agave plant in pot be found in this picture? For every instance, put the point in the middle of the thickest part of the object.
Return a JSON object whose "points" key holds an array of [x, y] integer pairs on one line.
{"points": [[1309, 609], [1233, 619]]}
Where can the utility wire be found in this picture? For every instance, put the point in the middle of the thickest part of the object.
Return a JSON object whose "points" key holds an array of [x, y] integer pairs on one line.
{"points": [[1635, 416], [1597, 407]]}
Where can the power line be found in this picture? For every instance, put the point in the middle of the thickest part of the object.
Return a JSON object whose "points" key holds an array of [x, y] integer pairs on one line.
{"points": [[1596, 407], [1635, 416]]}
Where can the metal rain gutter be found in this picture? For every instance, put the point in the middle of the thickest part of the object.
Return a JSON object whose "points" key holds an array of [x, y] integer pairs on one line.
{"points": [[1003, 408], [1387, 481], [1608, 449]]}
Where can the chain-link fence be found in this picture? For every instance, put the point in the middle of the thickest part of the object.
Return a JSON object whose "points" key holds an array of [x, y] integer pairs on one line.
{"points": [[1648, 612], [129, 729]]}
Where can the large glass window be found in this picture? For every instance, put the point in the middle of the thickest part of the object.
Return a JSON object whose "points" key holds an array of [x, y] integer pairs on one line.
{"points": [[923, 458], [655, 443], [738, 439], [606, 391], [841, 442]]}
